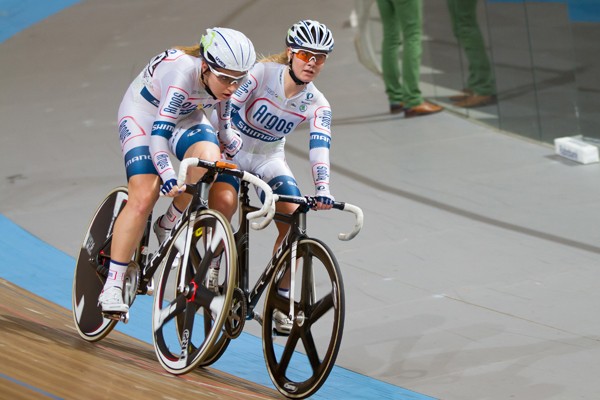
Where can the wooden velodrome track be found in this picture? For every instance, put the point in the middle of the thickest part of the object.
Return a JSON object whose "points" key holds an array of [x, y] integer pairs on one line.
{"points": [[42, 356]]}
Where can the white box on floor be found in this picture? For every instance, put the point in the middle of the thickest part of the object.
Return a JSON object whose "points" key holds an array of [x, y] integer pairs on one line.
{"points": [[576, 150]]}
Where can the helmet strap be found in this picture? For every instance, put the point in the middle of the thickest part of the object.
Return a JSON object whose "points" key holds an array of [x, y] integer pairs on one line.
{"points": [[206, 84], [294, 77]]}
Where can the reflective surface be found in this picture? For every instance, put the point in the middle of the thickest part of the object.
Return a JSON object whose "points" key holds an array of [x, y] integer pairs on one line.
{"points": [[543, 56]]}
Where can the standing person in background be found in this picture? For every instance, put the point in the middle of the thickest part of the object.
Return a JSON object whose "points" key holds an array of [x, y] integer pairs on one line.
{"points": [[172, 86], [480, 89], [402, 25]]}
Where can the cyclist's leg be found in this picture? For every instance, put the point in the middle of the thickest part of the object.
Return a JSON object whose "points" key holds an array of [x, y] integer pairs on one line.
{"points": [[223, 195], [143, 183], [193, 137], [279, 176]]}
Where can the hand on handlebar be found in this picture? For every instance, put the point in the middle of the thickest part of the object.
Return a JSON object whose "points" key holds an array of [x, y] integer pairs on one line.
{"points": [[324, 201], [171, 189]]}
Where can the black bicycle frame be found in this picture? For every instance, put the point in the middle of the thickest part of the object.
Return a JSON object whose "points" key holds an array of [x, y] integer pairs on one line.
{"points": [[297, 231]]}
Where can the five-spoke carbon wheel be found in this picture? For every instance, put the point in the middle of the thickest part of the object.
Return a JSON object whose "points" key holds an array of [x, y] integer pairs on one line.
{"points": [[187, 317], [301, 362]]}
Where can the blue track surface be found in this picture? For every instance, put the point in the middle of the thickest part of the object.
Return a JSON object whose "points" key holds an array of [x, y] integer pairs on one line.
{"points": [[43, 270], [17, 15]]}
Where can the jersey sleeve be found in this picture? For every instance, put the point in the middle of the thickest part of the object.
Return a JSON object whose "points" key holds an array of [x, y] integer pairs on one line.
{"points": [[319, 145], [221, 120]]}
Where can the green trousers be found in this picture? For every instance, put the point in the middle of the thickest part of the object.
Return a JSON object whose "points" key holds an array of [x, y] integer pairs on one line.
{"points": [[402, 22], [463, 15]]}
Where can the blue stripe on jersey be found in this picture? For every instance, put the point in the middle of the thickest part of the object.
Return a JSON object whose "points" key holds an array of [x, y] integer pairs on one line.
{"points": [[319, 140], [164, 129], [193, 135], [284, 184], [138, 161], [149, 97]]}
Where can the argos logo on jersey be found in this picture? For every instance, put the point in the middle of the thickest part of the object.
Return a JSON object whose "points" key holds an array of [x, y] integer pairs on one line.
{"points": [[176, 103], [263, 115], [322, 118], [162, 162], [225, 111], [129, 129], [243, 92]]}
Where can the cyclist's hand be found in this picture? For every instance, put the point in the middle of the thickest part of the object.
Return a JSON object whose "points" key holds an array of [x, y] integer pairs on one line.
{"points": [[232, 146], [170, 188], [324, 201]]}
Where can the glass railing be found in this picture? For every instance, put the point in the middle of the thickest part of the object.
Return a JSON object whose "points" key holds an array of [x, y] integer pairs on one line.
{"points": [[539, 60]]}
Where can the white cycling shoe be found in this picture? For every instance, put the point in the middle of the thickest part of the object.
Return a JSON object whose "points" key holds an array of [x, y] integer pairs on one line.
{"points": [[161, 233], [111, 300], [283, 325]]}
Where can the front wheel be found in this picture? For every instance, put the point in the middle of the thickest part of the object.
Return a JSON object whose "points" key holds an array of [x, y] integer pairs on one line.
{"points": [[300, 363], [188, 316]]}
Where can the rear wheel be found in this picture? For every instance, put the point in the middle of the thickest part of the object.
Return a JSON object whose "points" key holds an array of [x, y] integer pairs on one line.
{"points": [[92, 267], [300, 363], [187, 317]]}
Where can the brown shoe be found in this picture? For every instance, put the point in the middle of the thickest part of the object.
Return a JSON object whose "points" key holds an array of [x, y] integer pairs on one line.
{"points": [[396, 108], [464, 94], [475, 100], [425, 108]]}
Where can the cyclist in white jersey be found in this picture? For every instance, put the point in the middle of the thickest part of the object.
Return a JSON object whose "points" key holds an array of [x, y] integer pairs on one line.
{"points": [[278, 96], [172, 86]]}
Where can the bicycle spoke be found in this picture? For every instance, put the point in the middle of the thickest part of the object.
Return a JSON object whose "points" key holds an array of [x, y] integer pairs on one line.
{"points": [[166, 314], [288, 351], [321, 307], [311, 349]]}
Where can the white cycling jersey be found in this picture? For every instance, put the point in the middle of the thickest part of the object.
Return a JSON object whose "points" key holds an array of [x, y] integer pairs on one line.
{"points": [[264, 117], [165, 92]]}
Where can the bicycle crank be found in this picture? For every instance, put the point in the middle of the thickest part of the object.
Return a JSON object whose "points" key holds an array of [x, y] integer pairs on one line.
{"points": [[234, 324]]}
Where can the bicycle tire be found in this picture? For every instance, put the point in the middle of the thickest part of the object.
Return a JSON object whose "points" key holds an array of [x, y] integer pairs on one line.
{"points": [[184, 329], [300, 367], [87, 281]]}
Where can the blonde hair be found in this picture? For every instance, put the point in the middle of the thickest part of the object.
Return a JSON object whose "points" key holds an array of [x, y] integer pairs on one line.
{"points": [[190, 50], [281, 58]]}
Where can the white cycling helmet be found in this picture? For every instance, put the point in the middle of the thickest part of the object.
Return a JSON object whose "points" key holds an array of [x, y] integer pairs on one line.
{"points": [[310, 35], [227, 48]]}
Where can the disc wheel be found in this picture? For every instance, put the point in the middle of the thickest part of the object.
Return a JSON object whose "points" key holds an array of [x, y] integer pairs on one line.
{"points": [[92, 266]]}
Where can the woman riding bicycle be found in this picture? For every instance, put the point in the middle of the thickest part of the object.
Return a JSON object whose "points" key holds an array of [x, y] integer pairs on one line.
{"points": [[277, 97], [171, 87]]}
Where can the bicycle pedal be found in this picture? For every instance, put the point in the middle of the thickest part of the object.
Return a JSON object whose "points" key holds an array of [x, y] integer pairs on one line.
{"points": [[117, 316]]}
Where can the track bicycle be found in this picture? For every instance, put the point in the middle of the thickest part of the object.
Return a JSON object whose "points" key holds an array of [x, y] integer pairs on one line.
{"points": [[197, 221], [298, 363]]}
